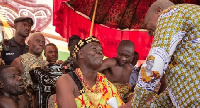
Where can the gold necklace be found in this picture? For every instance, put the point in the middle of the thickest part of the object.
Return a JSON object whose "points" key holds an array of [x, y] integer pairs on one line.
{"points": [[93, 95]]}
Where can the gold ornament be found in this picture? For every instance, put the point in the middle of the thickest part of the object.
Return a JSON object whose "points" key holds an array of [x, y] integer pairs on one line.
{"points": [[94, 97]]}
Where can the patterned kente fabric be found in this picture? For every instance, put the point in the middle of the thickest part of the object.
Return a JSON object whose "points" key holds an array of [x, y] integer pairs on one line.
{"points": [[82, 43], [105, 87], [175, 50], [30, 61], [124, 90]]}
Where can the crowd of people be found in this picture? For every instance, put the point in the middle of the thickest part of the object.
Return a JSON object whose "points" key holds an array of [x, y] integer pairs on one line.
{"points": [[168, 78]]}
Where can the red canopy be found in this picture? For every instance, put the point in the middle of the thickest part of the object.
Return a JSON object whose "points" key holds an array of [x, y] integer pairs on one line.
{"points": [[70, 23]]}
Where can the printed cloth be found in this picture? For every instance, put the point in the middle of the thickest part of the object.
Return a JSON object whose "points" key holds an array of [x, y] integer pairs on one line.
{"points": [[29, 61], [175, 50], [124, 90]]}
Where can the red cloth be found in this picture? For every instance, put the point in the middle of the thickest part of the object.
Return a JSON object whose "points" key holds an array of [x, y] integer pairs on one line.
{"points": [[70, 23], [56, 7]]}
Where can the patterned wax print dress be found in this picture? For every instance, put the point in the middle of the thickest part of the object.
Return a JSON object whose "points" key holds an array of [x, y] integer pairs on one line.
{"points": [[176, 51]]}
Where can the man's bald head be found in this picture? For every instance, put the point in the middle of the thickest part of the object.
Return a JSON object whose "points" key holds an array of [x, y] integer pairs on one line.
{"points": [[3, 70], [126, 43], [36, 43], [35, 34], [125, 52], [154, 12], [162, 4]]}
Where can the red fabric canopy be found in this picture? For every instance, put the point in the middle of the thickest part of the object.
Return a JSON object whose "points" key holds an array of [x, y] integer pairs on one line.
{"points": [[70, 23]]}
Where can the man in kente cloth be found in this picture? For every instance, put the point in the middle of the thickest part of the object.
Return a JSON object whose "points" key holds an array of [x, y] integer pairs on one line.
{"points": [[89, 89]]}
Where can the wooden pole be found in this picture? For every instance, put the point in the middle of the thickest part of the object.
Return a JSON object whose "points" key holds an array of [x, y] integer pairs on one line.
{"points": [[93, 17]]}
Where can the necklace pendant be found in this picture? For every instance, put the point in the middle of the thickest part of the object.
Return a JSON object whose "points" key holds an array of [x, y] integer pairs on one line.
{"points": [[94, 97]]}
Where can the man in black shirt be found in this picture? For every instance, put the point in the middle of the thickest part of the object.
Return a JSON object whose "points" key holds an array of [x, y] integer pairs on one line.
{"points": [[16, 46], [70, 63]]}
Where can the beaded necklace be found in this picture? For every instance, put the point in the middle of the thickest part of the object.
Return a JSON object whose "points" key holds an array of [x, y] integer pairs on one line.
{"points": [[93, 95], [85, 85]]}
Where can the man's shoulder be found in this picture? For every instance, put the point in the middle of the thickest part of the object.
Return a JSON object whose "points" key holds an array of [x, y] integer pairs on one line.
{"points": [[11, 47], [128, 65], [18, 59], [16, 62], [65, 78], [24, 101], [6, 102], [6, 44], [2, 98], [66, 83], [26, 56], [111, 61], [11, 42]]}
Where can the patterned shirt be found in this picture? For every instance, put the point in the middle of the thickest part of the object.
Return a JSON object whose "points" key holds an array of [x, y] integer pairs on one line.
{"points": [[30, 61], [108, 90], [124, 90], [175, 50]]}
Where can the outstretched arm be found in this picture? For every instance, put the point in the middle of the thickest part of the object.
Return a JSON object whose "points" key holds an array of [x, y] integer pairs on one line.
{"points": [[107, 63]]}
